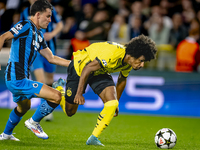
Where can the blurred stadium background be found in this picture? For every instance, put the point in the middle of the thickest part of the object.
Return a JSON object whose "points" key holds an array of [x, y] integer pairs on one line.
{"points": [[157, 89], [148, 91]]}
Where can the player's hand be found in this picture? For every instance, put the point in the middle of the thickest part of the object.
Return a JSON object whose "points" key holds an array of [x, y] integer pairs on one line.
{"points": [[79, 99], [48, 36], [116, 112]]}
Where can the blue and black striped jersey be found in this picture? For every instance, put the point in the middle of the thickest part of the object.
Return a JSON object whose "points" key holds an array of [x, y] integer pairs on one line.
{"points": [[25, 44], [25, 14], [54, 19]]}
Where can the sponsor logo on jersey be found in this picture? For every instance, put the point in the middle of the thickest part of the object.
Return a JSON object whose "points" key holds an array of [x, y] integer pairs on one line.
{"points": [[36, 44], [14, 30]]}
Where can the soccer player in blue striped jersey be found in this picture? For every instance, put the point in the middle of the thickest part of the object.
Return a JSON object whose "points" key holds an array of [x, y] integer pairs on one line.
{"points": [[27, 42], [43, 70]]}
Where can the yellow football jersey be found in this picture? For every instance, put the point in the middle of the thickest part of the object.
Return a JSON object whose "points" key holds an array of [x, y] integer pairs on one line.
{"points": [[109, 54]]}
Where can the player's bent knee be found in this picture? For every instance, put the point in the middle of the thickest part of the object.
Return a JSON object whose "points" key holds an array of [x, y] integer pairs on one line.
{"points": [[57, 97], [70, 113], [70, 109], [112, 103]]}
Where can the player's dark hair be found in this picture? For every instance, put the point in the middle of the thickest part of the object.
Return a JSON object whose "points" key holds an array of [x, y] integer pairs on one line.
{"points": [[40, 6], [141, 45]]}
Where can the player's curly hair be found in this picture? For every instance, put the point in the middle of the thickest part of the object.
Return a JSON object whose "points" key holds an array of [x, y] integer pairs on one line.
{"points": [[40, 6], [141, 45]]}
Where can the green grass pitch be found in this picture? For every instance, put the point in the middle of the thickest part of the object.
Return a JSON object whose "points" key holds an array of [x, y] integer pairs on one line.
{"points": [[125, 132]]}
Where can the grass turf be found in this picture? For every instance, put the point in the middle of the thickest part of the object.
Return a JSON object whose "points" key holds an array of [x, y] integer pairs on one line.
{"points": [[125, 132]]}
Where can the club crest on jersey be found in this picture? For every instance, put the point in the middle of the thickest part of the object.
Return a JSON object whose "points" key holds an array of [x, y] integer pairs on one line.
{"points": [[19, 26], [69, 92], [104, 62], [35, 85]]}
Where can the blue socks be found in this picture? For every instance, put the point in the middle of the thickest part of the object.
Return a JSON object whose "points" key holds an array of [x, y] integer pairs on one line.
{"points": [[43, 110], [42, 100], [13, 120]]}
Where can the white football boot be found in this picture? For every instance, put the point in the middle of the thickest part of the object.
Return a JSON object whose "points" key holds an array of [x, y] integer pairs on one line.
{"points": [[4, 136], [36, 128]]}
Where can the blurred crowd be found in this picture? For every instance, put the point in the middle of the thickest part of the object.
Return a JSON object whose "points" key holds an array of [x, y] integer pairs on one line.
{"points": [[167, 22]]}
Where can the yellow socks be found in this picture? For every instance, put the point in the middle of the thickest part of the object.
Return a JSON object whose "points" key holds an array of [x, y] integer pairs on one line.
{"points": [[62, 102], [105, 117]]}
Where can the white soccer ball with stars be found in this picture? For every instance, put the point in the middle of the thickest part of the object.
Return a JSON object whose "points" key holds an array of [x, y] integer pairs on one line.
{"points": [[165, 138]]}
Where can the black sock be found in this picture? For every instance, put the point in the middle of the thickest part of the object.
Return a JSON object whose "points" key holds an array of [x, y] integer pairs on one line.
{"points": [[53, 105], [18, 113]]}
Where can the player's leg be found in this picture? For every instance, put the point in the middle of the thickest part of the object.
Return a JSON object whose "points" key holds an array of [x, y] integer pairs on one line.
{"points": [[14, 118], [40, 77], [108, 95], [52, 97], [70, 92], [107, 92], [49, 78], [70, 109], [67, 104], [38, 70], [109, 98], [49, 82], [67, 101], [49, 70], [59, 85]]}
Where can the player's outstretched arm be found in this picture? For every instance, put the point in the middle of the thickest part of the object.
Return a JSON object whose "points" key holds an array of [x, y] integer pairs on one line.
{"points": [[4, 37], [54, 59]]}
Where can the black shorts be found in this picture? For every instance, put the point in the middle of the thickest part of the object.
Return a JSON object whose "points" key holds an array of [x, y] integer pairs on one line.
{"points": [[97, 83]]}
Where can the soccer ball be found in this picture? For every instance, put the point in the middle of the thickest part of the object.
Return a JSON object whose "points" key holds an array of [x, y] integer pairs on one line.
{"points": [[165, 138]]}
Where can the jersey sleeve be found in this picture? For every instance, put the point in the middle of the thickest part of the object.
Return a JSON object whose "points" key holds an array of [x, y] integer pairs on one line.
{"points": [[43, 44], [20, 28], [126, 72], [42, 41], [103, 60]]}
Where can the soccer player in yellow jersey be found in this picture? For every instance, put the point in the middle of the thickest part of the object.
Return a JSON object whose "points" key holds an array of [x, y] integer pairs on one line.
{"points": [[93, 66]]}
